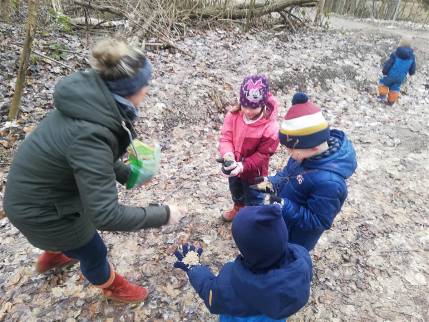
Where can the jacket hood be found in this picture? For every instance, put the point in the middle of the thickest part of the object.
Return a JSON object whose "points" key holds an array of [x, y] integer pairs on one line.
{"points": [[279, 293], [343, 162], [404, 52], [261, 235], [85, 96]]}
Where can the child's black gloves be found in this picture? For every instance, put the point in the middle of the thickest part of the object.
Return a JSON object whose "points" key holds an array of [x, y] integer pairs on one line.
{"points": [[273, 199], [263, 185], [187, 257], [227, 165]]}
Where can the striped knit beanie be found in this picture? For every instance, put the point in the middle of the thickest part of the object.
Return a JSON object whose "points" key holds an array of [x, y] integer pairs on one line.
{"points": [[303, 126]]}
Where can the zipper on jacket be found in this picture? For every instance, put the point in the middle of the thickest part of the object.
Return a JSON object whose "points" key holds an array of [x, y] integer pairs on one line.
{"points": [[124, 126]]}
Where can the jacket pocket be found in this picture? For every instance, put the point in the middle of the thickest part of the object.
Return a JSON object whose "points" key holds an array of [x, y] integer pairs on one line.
{"points": [[69, 207]]}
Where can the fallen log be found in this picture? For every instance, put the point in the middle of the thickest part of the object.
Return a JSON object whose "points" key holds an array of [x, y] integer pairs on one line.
{"points": [[240, 11], [95, 22], [258, 10], [101, 8]]}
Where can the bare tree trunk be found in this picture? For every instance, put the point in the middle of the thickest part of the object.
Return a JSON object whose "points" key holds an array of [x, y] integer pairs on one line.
{"points": [[56, 5], [427, 18], [320, 12], [382, 9], [411, 11], [392, 9], [250, 14], [332, 5], [353, 7], [17, 7], [341, 4], [23, 60], [5, 10], [401, 11], [350, 5], [395, 14], [337, 6]]}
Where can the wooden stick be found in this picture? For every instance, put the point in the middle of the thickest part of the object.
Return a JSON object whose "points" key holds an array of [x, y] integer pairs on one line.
{"points": [[289, 12], [51, 59], [403, 251], [50, 48], [99, 8], [64, 50]]}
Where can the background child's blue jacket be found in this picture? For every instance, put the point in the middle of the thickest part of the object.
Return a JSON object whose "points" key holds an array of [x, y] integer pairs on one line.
{"points": [[238, 292], [314, 191], [400, 63]]}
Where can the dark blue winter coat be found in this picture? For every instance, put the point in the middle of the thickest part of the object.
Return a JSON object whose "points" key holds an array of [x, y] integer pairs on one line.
{"points": [[400, 63], [314, 191], [238, 292]]}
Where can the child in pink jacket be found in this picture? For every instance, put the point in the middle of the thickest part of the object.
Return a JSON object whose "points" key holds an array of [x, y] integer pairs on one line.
{"points": [[248, 139]]}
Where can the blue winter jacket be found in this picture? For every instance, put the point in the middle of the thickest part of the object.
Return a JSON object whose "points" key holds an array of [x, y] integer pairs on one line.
{"points": [[314, 192], [238, 292], [400, 63]]}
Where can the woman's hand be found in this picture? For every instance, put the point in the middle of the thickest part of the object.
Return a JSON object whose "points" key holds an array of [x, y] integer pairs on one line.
{"points": [[176, 213]]}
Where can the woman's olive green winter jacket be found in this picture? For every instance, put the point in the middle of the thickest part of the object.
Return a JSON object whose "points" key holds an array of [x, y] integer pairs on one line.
{"points": [[62, 183]]}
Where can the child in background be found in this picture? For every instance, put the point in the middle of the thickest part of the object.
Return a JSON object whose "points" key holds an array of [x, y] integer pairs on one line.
{"points": [[268, 282], [395, 70], [247, 141], [312, 187]]}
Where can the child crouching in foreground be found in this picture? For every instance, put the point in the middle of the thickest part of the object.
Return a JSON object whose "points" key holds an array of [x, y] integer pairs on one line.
{"points": [[269, 281]]}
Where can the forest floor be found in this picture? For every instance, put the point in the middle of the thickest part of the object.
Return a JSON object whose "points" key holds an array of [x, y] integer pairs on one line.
{"points": [[373, 265]]}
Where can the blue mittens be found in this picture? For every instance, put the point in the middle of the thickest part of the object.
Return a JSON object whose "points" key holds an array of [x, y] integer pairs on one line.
{"points": [[187, 257]]}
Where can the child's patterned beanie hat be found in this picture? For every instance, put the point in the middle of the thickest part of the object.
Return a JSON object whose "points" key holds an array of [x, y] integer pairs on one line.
{"points": [[254, 91], [303, 126]]}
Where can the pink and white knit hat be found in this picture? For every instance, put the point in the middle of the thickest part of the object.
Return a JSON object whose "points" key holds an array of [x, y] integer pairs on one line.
{"points": [[254, 91]]}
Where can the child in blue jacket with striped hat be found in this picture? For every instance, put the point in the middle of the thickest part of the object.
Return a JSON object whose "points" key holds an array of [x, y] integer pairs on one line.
{"points": [[312, 187], [401, 62], [268, 282]]}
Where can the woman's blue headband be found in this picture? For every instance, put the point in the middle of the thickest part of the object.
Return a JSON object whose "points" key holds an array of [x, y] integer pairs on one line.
{"points": [[128, 86]]}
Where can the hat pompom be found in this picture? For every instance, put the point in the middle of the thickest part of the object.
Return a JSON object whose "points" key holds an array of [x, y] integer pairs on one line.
{"points": [[299, 98]]}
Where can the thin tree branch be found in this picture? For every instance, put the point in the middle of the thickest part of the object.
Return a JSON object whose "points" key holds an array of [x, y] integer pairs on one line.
{"points": [[51, 59]]}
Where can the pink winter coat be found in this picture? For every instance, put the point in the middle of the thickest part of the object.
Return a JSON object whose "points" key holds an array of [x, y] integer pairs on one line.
{"points": [[252, 144]]}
